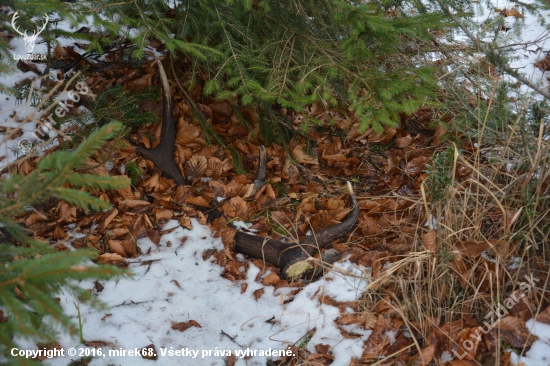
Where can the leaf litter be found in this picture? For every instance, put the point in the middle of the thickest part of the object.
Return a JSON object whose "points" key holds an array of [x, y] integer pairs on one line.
{"points": [[191, 291]]}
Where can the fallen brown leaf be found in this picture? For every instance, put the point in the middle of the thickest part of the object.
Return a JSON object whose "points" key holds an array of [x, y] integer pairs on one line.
{"points": [[271, 279], [302, 157], [473, 248], [429, 241], [183, 326]]}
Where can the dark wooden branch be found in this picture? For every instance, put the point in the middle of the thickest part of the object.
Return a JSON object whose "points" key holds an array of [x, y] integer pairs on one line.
{"points": [[163, 155], [284, 255]]}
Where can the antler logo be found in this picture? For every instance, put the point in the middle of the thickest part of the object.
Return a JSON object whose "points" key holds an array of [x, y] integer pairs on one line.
{"points": [[29, 40]]}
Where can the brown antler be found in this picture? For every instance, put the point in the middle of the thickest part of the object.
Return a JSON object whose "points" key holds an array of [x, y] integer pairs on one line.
{"points": [[163, 155], [260, 173], [285, 255]]}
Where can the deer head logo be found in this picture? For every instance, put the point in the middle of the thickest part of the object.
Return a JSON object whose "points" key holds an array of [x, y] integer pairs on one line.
{"points": [[29, 40]]}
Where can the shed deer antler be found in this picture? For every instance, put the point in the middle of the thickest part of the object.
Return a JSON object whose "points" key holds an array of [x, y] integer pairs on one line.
{"points": [[280, 254], [284, 255], [163, 155]]}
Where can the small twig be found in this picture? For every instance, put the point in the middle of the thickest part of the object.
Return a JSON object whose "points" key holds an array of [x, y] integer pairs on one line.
{"points": [[232, 338]]}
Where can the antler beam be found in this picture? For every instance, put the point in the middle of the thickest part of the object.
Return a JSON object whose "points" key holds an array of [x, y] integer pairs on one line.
{"points": [[285, 255], [163, 155]]}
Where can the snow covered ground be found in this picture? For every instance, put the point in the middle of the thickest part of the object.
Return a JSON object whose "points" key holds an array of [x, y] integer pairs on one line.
{"points": [[174, 284]]}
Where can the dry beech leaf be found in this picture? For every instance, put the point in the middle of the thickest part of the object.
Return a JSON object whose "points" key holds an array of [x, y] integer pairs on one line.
{"points": [[236, 207], [186, 222], [130, 248], [334, 157], [206, 111], [67, 213], [258, 293], [429, 241], [113, 259], [26, 67], [302, 157], [377, 340], [195, 167], [59, 53], [163, 214], [330, 148], [544, 316], [334, 203], [426, 356], [403, 142], [271, 279], [215, 168], [514, 331], [128, 194], [151, 183], [347, 319], [512, 12], [369, 226], [440, 131], [25, 168], [314, 187], [110, 218], [119, 231], [96, 344], [154, 236], [187, 133], [59, 234], [417, 165], [139, 84], [543, 64], [222, 107], [116, 247], [183, 326], [149, 352], [468, 334], [35, 217], [339, 214], [197, 201], [270, 192], [135, 203], [201, 218], [473, 248]]}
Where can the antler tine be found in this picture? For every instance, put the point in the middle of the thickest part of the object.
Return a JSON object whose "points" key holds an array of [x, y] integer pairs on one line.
{"points": [[16, 28], [163, 155], [327, 236], [44, 26]]}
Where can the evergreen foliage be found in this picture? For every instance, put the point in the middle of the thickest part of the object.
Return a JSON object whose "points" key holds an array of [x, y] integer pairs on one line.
{"points": [[33, 273], [286, 53], [119, 104]]}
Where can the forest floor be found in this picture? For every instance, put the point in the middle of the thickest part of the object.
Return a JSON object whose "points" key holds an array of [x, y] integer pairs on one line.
{"points": [[382, 303]]}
